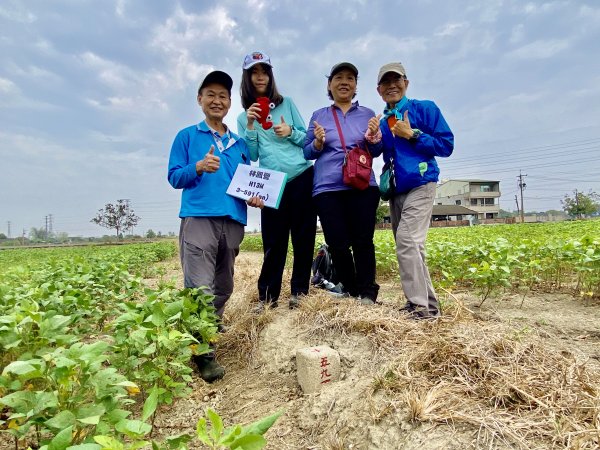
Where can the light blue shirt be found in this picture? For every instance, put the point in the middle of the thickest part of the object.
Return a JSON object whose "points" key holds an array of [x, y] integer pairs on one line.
{"points": [[273, 152]]}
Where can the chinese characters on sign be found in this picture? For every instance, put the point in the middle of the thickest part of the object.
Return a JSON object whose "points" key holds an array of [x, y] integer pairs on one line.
{"points": [[325, 375], [250, 182]]}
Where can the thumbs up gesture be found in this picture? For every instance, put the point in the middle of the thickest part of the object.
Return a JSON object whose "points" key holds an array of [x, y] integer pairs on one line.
{"points": [[210, 163], [374, 125], [402, 128], [282, 129], [319, 133]]}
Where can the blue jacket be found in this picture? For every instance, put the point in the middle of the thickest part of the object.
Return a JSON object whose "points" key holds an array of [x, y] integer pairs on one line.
{"points": [[414, 159], [204, 195]]}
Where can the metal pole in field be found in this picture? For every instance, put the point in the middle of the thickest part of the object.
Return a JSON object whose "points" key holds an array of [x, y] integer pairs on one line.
{"points": [[522, 186]]}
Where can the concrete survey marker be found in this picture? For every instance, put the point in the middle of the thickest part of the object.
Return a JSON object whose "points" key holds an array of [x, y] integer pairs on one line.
{"points": [[317, 367]]}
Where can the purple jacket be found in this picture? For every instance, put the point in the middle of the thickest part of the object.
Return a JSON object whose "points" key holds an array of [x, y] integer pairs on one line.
{"points": [[328, 164]]}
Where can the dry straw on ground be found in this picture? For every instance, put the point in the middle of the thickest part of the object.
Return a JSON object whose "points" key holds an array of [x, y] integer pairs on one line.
{"points": [[464, 370]]}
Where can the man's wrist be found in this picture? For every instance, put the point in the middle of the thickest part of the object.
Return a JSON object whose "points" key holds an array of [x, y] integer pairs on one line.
{"points": [[415, 134]]}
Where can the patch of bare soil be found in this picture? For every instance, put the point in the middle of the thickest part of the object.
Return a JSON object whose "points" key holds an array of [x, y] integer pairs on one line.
{"points": [[497, 377]]}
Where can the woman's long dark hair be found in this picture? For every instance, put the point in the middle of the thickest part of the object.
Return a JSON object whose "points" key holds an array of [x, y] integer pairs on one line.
{"points": [[248, 93]]}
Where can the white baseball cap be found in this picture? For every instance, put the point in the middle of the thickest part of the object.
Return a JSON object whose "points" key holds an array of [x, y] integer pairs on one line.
{"points": [[256, 58]]}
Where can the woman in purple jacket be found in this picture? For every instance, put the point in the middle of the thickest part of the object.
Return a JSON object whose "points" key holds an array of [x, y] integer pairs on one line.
{"points": [[347, 214]]}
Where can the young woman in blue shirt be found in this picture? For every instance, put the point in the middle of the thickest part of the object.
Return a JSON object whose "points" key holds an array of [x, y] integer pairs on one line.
{"points": [[279, 148]]}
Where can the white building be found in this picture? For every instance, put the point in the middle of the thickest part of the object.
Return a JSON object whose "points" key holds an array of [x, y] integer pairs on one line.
{"points": [[482, 196]]}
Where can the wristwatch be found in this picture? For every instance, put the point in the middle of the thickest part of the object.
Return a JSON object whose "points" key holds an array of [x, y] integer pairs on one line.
{"points": [[416, 133]]}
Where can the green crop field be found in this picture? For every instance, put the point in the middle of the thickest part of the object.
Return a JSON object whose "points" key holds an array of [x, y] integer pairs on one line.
{"points": [[83, 341], [546, 257], [88, 352]]}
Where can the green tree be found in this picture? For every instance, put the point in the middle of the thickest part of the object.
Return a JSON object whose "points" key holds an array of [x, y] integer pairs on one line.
{"points": [[150, 234], [118, 216], [38, 234], [383, 210], [3, 236], [581, 204]]}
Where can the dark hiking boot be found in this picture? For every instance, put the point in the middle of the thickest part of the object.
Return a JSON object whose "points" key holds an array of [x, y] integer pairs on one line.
{"points": [[295, 301], [262, 306], [415, 312], [366, 301], [210, 370]]}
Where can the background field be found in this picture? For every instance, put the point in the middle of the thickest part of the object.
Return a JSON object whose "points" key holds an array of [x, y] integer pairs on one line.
{"points": [[95, 342]]}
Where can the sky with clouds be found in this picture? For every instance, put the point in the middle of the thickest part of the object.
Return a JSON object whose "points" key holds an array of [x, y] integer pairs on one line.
{"points": [[93, 93]]}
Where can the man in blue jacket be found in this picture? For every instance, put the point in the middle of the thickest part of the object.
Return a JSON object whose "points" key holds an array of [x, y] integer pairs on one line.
{"points": [[203, 159], [414, 132]]}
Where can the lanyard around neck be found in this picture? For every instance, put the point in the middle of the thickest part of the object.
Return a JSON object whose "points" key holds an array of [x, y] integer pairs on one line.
{"points": [[219, 142]]}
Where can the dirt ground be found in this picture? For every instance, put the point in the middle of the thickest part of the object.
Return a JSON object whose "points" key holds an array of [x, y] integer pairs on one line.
{"points": [[259, 356]]}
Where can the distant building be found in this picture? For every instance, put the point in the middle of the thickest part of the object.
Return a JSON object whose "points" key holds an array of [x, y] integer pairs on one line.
{"points": [[482, 196]]}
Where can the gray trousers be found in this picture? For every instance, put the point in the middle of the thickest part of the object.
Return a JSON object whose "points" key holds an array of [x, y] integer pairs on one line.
{"points": [[207, 248], [411, 215]]}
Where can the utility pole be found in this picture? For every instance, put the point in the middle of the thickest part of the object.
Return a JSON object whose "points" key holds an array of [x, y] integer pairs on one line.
{"points": [[8, 225], [517, 202], [46, 232], [50, 227], [577, 204], [23, 237], [522, 186]]}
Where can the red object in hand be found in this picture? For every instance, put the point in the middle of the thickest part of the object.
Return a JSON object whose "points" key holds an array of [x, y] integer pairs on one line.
{"points": [[266, 106]]}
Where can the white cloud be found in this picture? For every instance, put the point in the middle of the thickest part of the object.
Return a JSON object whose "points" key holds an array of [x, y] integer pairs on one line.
{"points": [[111, 73], [33, 72], [451, 29], [16, 14], [544, 7], [8, 87], [120, 8], [540, 49], [185, 38]]}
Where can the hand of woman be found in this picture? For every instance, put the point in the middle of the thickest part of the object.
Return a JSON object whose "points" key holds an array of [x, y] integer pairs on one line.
{"points": [[374, 125], [282, 129], [252, 114], [319, 133]]}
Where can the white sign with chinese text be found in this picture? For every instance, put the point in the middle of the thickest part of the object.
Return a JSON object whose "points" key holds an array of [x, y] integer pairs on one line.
{"points": [[251, 181]]}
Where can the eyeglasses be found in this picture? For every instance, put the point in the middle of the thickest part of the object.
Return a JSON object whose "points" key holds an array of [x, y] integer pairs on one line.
{"points": [[389, 81]]}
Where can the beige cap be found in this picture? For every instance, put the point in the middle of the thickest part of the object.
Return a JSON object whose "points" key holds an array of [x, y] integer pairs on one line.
{"points": [[395, 67]]}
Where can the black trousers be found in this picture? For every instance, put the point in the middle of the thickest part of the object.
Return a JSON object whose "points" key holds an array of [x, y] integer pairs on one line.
{"points": [[296, 216], [348, 221]]}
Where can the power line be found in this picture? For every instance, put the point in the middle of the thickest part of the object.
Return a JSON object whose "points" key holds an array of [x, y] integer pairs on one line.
{"points": [[500, 159], [538, 148]]}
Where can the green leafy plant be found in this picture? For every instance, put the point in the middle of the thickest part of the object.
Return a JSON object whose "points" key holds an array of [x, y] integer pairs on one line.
{"points": [[248, 437]]}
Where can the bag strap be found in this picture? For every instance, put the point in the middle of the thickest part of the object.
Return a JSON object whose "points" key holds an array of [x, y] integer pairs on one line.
{"points": [[339, 128]]}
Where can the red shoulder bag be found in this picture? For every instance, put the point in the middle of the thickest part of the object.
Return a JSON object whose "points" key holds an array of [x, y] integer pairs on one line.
{"points": [[357, 162]]}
